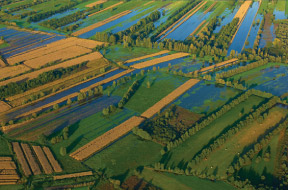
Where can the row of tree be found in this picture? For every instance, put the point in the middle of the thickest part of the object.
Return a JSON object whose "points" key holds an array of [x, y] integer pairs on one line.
{"points": [[249, 119], [208, 120], [14, 88]]}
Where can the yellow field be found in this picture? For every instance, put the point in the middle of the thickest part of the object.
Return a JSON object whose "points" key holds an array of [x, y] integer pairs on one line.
{"points": [[169, 98], [159, 60], [211, 7], [228, 62], [96, 3], [170, 27], [81, 174], [76, 61], [243, 10], [111, 7], [147, 56], [52, 48], [198, 27], [4, 107], [107, 138], [101, 23], [13, 71]]}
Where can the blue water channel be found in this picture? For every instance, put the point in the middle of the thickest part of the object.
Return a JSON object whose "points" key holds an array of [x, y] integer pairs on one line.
{"points": [[242, 34], [227, 17], [254, 31], [185, 29], [85, 85]]}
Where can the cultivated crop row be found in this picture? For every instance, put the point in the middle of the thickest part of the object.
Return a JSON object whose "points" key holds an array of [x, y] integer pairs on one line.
{"points": [[110, 7], [101, 23], [31, 159], [169, 98], [224, 63], [21, 158], [107, 138], [96, 3], [81, 174], [4, 107], [159, 60], [147, 56], [54, 163], [184, 20], [43, 160]]}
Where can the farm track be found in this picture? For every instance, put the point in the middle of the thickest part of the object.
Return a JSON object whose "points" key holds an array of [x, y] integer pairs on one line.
{"points": [[112, 135], [101, 23]]}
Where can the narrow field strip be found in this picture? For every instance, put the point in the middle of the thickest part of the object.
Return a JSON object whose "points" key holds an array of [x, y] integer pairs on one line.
{"points": [[12, 71], [101, 23], [198, 27], [42, 159], [224, 63], [107, 138], [72, 62], [211, 7], [175, 23], [147, 56], [169, 98], [112, 135], [81, 174], [51, 48], [110, 7], [241, 15], [190, 15], [54, 163], [20, 156], [96, 3], [159, 60], [31, 159], [4, 107]]}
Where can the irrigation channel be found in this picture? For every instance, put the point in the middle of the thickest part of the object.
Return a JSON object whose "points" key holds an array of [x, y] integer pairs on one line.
{"points": [[81, 86], [240, 38]]}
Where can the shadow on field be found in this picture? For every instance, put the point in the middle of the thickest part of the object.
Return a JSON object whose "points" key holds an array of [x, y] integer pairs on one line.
{"points": [[74, 143]]}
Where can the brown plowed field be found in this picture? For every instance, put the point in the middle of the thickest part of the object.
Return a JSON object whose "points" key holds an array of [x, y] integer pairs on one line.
{"points": [[81, 174], [43, 160]]}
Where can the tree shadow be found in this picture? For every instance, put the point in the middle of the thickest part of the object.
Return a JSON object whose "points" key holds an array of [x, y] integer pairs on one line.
{"points": [[74, 143]]}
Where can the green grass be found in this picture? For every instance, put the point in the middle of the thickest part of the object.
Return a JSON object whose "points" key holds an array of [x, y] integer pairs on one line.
{"points": [[161, 85], [121, 158], [255, 72], [184, 153], [281, 4], [11, 187], [85, 131], [220, 159], [170, 181], [4, 45], [4, 147], [269, 166], [118, 53]]}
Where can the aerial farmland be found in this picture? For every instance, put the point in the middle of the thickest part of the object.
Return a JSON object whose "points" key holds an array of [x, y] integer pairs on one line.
{"points": [[140, 94]]}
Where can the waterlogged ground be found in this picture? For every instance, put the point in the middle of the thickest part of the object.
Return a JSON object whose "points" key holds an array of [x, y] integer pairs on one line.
{"points": [[271, 78], [254, 31], [205, 98], [242, 34], [226, 17]]}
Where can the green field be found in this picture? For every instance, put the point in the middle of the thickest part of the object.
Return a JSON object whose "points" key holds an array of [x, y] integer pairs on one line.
{"points": [[184, 153], [221, 159], [171, 182], [4, 150], [121, 158], [161, 85]]}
